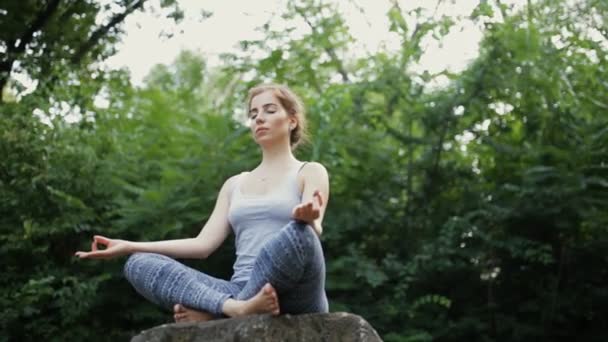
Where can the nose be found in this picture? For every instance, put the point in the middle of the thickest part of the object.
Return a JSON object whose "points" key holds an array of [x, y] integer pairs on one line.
{"points": [[259, 118]]}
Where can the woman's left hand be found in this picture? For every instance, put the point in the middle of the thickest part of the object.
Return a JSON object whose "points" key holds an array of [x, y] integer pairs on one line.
{"points": [[309, 211]]}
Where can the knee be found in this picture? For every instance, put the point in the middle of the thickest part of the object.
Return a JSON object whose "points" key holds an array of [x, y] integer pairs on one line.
{"points": [[304, 231], [128, 266], [302, 227], [136, 260]]}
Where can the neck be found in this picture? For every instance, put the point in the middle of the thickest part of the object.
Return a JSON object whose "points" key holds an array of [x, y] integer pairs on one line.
{"points": [[276, 157]]}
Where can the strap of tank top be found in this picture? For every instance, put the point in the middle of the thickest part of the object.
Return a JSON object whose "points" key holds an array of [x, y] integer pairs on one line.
{"points": [[236, 184], [301, 167], [295, 179]]}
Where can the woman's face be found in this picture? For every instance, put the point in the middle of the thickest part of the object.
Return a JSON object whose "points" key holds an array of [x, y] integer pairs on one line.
{"points": [[268, 120]]}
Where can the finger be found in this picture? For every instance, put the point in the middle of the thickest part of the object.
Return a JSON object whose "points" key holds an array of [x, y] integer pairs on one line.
{"points": [[94, 245], [319, 197], [101, 239], [309, 208], [81, 254], [310, 215], [304, 210], [92, 255], [316, 204], [296, 212]]}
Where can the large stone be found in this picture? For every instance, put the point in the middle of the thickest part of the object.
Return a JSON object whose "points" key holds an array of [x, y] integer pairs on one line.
{"points": [[335, 326]]}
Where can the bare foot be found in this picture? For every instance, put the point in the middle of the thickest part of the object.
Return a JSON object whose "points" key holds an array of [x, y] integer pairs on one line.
{"points": [[185, 314], [265, 301]]}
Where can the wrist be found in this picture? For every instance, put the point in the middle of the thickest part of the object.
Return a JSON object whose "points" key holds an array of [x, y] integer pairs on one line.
{"points": [[317, 227], [131, 247]]}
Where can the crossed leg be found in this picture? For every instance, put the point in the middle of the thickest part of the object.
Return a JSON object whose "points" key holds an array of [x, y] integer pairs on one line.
{"points": [[289, 273], [293, 262], [165, 282], [199, 296]]}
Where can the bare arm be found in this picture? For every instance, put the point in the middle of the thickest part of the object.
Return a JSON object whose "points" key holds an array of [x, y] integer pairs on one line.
{"points": [[315, 196], [214, 232]]}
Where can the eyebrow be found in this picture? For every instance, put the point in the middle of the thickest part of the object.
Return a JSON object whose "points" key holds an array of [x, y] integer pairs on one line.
{"points": [[264, 105]]}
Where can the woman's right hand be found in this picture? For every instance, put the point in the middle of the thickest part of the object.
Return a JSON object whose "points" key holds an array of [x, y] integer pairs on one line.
{"points": [[114, 248]]}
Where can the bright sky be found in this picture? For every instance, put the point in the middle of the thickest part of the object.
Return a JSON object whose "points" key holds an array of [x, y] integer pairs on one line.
{"points": [[143, 46], [235, 20]]}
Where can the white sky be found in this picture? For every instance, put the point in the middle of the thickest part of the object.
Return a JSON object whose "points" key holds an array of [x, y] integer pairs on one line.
{"points": [[235, 20]]}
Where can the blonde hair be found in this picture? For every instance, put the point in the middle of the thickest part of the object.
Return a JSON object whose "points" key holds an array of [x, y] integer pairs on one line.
{"points": [[292, 104]]}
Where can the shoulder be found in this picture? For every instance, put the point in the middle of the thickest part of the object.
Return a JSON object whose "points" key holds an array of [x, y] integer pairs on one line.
{"points": [[314, 170], [231, 181]]}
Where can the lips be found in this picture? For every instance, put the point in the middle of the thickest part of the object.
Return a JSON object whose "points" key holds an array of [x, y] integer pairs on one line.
{"points": [[261, 129]]}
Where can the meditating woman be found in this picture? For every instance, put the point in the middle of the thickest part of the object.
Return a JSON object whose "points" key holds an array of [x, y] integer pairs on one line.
{"points": [[276, 213]]}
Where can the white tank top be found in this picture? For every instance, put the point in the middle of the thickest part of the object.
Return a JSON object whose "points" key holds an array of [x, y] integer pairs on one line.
{"points": [[257, 218]]}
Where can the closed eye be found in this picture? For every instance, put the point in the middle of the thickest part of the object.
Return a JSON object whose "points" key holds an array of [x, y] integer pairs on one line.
{"points": [[252, 116]]}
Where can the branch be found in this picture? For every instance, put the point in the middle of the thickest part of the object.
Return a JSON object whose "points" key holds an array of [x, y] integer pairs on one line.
{"points": [[103, 30], [404, 139], [503, 12], [13, 49], [328, 49], [38, 24]]}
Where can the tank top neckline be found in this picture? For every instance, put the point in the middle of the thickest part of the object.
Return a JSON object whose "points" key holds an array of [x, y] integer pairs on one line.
{"points": [[275, 190]]}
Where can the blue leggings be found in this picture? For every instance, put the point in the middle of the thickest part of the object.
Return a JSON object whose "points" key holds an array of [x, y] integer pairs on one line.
{"points": [[292, 261]]}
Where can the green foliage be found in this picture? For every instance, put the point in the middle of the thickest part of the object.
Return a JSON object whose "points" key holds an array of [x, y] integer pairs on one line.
{"points": [[475, 211]]}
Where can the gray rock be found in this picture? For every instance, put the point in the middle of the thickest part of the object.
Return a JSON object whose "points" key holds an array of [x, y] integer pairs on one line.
{"points": [[335, 326]]}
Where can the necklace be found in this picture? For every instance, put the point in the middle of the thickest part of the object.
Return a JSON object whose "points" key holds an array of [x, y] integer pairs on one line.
{"points": [[263, 179]]}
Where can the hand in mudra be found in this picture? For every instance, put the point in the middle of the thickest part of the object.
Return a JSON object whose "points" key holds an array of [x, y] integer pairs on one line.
{"points": [[114, 248], [309, 211]]}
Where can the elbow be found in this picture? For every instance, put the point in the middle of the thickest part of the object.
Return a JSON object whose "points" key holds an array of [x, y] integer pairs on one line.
{"points": [[203, 251], [203, 255]]}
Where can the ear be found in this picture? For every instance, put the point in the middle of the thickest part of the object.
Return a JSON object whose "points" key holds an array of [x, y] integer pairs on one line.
{"points": [[293, 122]]}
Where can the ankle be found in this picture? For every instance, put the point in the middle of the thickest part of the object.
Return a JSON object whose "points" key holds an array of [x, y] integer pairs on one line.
{"points": [[232, 307]]}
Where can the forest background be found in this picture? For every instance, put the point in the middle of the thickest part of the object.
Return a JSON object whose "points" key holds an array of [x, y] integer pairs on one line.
{"points": [[476, 210]]}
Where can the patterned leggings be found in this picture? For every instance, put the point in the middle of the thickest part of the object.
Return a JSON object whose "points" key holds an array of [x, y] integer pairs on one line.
{"points": [[292, 261]]}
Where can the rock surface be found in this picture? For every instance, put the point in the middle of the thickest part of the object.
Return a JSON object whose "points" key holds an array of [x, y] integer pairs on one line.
{"points": [[335, 326]]}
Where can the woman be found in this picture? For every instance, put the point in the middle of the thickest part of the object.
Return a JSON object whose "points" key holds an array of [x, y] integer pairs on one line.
{"points": [[275, 211]]}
